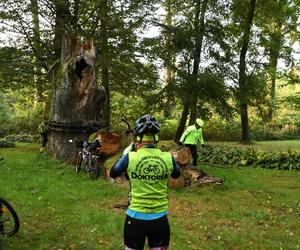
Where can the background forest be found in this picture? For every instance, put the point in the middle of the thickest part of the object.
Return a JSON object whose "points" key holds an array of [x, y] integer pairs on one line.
{"points": [[233, 63]]}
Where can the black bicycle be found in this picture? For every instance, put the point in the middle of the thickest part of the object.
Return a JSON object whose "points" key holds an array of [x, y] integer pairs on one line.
{"points": [[9, 220], [87, 160]]}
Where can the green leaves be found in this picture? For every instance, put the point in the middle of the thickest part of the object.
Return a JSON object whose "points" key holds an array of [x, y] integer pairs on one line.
{"points": [[6, 144], [232, 156]]}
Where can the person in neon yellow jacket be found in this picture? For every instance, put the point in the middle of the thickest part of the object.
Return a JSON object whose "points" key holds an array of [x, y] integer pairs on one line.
{"points": [[191, 137]]}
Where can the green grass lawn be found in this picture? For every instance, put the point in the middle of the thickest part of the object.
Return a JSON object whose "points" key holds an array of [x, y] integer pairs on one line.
{"points": [[255, 209]]}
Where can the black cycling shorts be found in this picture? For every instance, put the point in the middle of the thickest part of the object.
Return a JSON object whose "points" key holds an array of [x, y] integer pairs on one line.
{"points": [[156, 231]]}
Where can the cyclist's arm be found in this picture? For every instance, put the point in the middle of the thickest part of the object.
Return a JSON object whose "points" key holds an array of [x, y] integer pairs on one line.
{"points": [[119, 167], [185, 133], [176, 171]]}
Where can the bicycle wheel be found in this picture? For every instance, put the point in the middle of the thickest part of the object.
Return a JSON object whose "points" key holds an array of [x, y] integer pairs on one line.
{"points": [[9, 220], [93, 170], [79, 162]]}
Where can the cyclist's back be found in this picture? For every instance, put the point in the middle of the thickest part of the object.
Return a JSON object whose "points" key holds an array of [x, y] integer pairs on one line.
{"points": [[148, 170]]}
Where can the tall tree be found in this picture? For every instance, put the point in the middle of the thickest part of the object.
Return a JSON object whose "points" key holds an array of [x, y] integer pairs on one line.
{"points": [[37, 67], [243, 98], [278, 20], [168, 71], [198, 36], [104, 50], [190, 100]]}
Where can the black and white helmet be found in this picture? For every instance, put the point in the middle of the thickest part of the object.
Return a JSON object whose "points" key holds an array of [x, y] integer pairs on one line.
{"points": [[147, 124]]}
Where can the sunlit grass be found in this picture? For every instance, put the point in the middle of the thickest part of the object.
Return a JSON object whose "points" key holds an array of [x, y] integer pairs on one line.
{"points": [[58, 209]]}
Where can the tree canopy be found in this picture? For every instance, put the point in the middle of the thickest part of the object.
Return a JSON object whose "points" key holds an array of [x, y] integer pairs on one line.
{"points": [[207, 57]]}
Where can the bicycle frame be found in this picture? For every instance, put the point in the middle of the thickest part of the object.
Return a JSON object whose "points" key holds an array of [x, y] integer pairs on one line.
{"points": [[89, 161]]}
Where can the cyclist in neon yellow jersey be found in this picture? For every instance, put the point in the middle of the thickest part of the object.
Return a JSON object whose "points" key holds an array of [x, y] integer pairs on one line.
{"points": [[191, 137], [148, 169]]}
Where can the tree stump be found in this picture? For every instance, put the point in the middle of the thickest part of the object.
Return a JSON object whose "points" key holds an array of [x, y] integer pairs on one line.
{"points": [[77, 104]]}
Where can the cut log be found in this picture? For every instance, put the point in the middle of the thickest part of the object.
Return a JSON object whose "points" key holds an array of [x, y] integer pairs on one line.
{"points": [[183, 156], [110, 143], [190, 174]]}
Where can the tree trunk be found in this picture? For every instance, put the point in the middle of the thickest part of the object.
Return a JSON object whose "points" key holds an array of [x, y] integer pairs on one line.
{"points": [[104, 56], [182, 122], [37, 72], [168, 74], [199, 34], [274, 55], [243, 99], [77, 104], [62, 21]]}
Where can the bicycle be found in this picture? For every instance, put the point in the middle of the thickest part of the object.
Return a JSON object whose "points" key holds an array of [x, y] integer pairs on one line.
{"points": [[86, 159], [9, 220]]}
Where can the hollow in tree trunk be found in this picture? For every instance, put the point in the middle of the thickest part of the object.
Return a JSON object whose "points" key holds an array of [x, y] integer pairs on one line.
{"points": [[77, 104]]}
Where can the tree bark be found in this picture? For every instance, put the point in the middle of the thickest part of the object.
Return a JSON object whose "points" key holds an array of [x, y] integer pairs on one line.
{"points": [[199, 34], [77, 104], [62, 22], [182, 122], [243, 99], [167, 64], [104, 56], [190, 101], [276, 38], [37, 68]]}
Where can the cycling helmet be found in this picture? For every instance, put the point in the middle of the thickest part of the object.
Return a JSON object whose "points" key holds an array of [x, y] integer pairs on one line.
{"points": [[200, 122], [147, 124]]}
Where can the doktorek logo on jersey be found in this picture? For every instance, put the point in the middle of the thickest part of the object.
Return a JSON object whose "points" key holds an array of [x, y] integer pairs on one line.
{"points": [[150, 169]]}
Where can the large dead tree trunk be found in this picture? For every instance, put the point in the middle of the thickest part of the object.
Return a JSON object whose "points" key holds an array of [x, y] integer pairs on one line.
{"points": [[77, 102]]}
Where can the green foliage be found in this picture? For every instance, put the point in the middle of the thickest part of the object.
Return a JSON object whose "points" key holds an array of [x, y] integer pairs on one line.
{"points": [[250, 157], [19, 113], [20, 138], [217, 130], [5, 117], [168, 129], [4, 143], [16, 68], [263, 133]]}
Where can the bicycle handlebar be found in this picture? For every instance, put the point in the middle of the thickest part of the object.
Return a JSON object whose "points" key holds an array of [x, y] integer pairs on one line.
{"points": [[124, 119]]}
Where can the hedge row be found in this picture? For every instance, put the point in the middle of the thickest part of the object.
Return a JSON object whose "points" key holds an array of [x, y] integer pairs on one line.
{"points": [[232, 156], [6, 144], [20, 138]]}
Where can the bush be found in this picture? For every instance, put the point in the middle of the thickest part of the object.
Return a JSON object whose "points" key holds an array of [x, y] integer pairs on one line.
{"points": [[216, 130], [6, 144], [274, 132], [250, 158], [168, 129], [20, 138]]}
